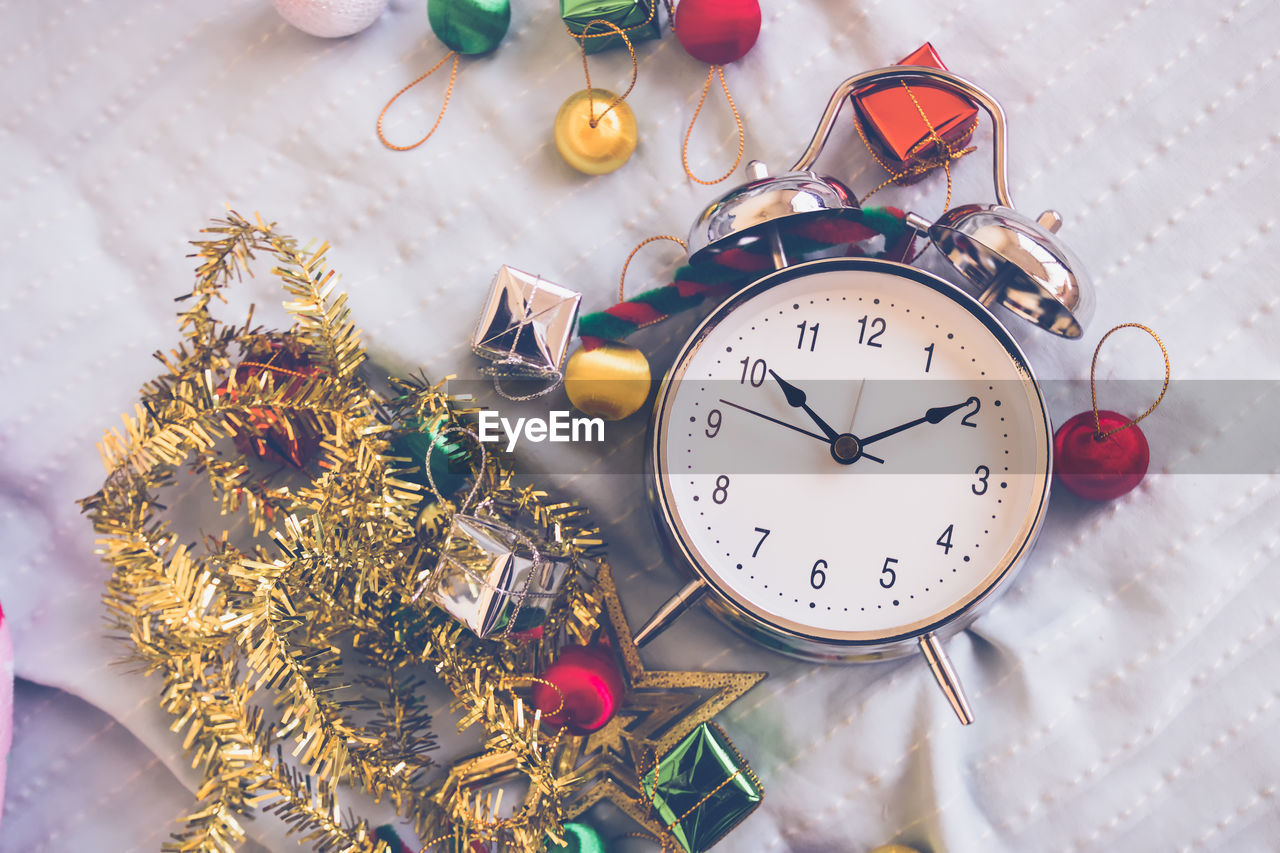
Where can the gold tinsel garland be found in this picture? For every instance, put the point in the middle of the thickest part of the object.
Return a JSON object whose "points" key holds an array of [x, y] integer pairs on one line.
{"points": [[292, 665]]}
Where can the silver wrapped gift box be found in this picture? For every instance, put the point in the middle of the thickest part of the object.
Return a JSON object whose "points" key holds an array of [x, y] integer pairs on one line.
{"points": [[527, 324], [490, 580]]}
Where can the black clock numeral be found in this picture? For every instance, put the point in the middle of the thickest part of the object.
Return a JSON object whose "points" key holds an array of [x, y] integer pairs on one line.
{"points": [[720, 493], [977, 407], [929, 359], [817, 577], [893, 576], [754, 372], [877, 326], [813, 335], [764, 534], [982, 472], [713, 423], [945, 539]]}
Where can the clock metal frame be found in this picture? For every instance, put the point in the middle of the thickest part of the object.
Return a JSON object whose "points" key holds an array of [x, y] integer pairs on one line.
{"points": [[792, 638]]}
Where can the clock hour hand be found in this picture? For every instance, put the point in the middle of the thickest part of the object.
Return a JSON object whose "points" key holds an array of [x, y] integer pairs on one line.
{"points": [[797, 399], [800, 430], [935, 415]]}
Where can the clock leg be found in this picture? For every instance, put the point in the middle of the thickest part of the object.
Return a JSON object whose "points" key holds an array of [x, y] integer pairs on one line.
{"points": [[942, 670], [669, 612]]}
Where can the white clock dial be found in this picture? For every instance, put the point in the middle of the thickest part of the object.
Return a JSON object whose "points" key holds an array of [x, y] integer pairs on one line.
{"points": [[853, 452]]}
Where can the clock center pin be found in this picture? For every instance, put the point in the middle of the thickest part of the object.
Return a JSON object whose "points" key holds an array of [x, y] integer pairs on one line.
{"points": [[846, 449]]}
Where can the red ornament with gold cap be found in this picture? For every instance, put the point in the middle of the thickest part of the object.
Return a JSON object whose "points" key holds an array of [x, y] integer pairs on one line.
{"points": [[1100, 454], [716, 32], [581, 690]]}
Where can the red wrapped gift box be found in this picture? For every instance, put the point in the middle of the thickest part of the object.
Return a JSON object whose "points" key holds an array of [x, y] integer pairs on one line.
{"points": [[263, 433], [899, 136]]}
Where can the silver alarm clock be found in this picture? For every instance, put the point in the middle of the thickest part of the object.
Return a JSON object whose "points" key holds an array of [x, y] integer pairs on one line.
{"points": [[851, 457]]}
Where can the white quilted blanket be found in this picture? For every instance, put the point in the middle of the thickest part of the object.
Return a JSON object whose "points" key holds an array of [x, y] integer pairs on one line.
{"points": [[1125, 689]]}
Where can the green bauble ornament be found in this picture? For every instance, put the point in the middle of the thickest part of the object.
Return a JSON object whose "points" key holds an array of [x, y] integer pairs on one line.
{"points": [[579, 838], [423, 444], [469, 26]]}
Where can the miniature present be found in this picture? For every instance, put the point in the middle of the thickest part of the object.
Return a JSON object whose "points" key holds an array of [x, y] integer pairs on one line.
{"points": [[637, 18], [526, 325], [263, 431], [492, 578], [702, 788], [899, 122]]}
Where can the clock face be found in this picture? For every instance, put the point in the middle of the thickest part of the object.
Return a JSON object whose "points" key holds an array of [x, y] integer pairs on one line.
{"points": [[852, 451]]}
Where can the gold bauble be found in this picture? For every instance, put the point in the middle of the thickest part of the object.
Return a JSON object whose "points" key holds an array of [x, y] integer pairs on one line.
{"points": [[894, 848], [610, 381], [600, 146]]}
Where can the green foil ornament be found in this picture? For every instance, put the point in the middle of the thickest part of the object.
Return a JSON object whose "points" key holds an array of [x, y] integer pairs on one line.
{"points": [[578, 838], [702, 788], [638, 18], [469, 26], [423, 444]]}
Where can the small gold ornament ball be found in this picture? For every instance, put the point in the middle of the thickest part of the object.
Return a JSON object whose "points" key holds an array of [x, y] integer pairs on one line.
{"points": [[610, 381], [599, 147], [894, 848]]}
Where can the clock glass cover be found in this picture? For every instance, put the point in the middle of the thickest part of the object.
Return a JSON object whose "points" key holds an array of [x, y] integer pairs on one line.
{"points": [[852, 452]]}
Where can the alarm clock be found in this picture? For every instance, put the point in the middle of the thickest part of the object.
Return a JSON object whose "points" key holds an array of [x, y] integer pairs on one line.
{"points": [[851, 457]]}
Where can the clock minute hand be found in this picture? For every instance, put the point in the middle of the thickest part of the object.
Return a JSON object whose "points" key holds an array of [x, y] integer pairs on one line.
{"points": [[935, 415], [773, 420], [797, 399]]}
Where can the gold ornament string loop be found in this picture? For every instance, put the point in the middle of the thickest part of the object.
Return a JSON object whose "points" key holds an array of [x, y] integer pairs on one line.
{"points": [[271, 368], [1098, 434], [533, 679], [635, 70], [448, 92], [480, 469], [671, 13], [622, 279], [664, 843], [942, 156], [712, 72]]}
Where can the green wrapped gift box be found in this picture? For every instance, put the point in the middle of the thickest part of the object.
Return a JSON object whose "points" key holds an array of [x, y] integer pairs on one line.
{"points": [[702, 788], [637, 18]]}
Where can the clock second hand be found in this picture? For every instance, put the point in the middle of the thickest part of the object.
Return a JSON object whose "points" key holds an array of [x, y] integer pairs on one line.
{"points": [[800, 430], [857, 401]]}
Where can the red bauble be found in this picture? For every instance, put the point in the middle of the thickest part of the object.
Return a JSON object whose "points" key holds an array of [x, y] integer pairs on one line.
{"points": [[717, 31], [591, 683], [1100, 470]]}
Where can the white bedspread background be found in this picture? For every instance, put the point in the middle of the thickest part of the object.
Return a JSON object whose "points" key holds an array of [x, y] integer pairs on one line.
{"points": [[1125, 689]]}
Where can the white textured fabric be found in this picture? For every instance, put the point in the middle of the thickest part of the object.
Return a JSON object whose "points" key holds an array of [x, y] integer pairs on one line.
{"points": [[1126, 687]]}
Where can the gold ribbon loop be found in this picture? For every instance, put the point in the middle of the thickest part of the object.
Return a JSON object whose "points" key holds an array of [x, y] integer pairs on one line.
{"points": [[622, 279], [635, 68], [712, 72], [1093, 391], [453, 74]]}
